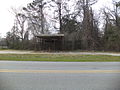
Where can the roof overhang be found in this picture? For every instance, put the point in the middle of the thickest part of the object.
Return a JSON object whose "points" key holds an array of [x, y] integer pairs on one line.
{"points": [[50, 35]]}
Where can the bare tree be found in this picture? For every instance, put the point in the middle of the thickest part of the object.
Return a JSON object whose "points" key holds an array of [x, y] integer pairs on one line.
{"points": [[20, 29], [61, 10], [89, 26], [37, 21]]}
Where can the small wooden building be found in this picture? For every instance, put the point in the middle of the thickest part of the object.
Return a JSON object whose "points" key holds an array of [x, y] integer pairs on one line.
{"points": [[50, 42]]}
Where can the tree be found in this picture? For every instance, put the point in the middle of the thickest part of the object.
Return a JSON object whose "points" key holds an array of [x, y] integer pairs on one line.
{"points": [[72, 30], [13, 41], [89, 24], [61, 10], [70, 25], [19, 30], [112, 28], [37, 22]]}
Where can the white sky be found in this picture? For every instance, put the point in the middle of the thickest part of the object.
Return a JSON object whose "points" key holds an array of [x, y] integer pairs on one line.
{"points": [[7, 19]]}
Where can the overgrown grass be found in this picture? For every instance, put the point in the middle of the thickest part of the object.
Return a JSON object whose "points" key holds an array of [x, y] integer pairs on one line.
{"points": [[59, 57]]}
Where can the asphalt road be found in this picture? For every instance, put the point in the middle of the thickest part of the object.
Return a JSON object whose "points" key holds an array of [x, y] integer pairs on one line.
{"points": [[59, 75]]}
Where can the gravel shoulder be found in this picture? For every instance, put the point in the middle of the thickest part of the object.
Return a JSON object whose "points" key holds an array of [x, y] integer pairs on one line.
{"points": [[72, 53]]}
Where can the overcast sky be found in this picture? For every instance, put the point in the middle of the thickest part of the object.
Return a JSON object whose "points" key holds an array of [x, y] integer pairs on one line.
{"points": [[6, 17]]}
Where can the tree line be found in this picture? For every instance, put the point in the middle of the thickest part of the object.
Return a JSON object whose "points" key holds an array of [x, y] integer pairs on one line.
{"points": [[76, 19]]}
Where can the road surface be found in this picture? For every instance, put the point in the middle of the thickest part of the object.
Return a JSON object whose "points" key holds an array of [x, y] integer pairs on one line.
{"points": [[20, 75]]}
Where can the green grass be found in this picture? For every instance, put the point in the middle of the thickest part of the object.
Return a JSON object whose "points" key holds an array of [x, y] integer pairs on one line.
{"points": [[59, 57]]}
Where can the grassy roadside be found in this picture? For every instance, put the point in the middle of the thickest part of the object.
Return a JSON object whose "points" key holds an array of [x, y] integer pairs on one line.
{"points": [[59, 57]]}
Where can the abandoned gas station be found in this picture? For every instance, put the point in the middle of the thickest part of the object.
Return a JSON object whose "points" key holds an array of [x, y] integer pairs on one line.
{"points": [[50, 42]]}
